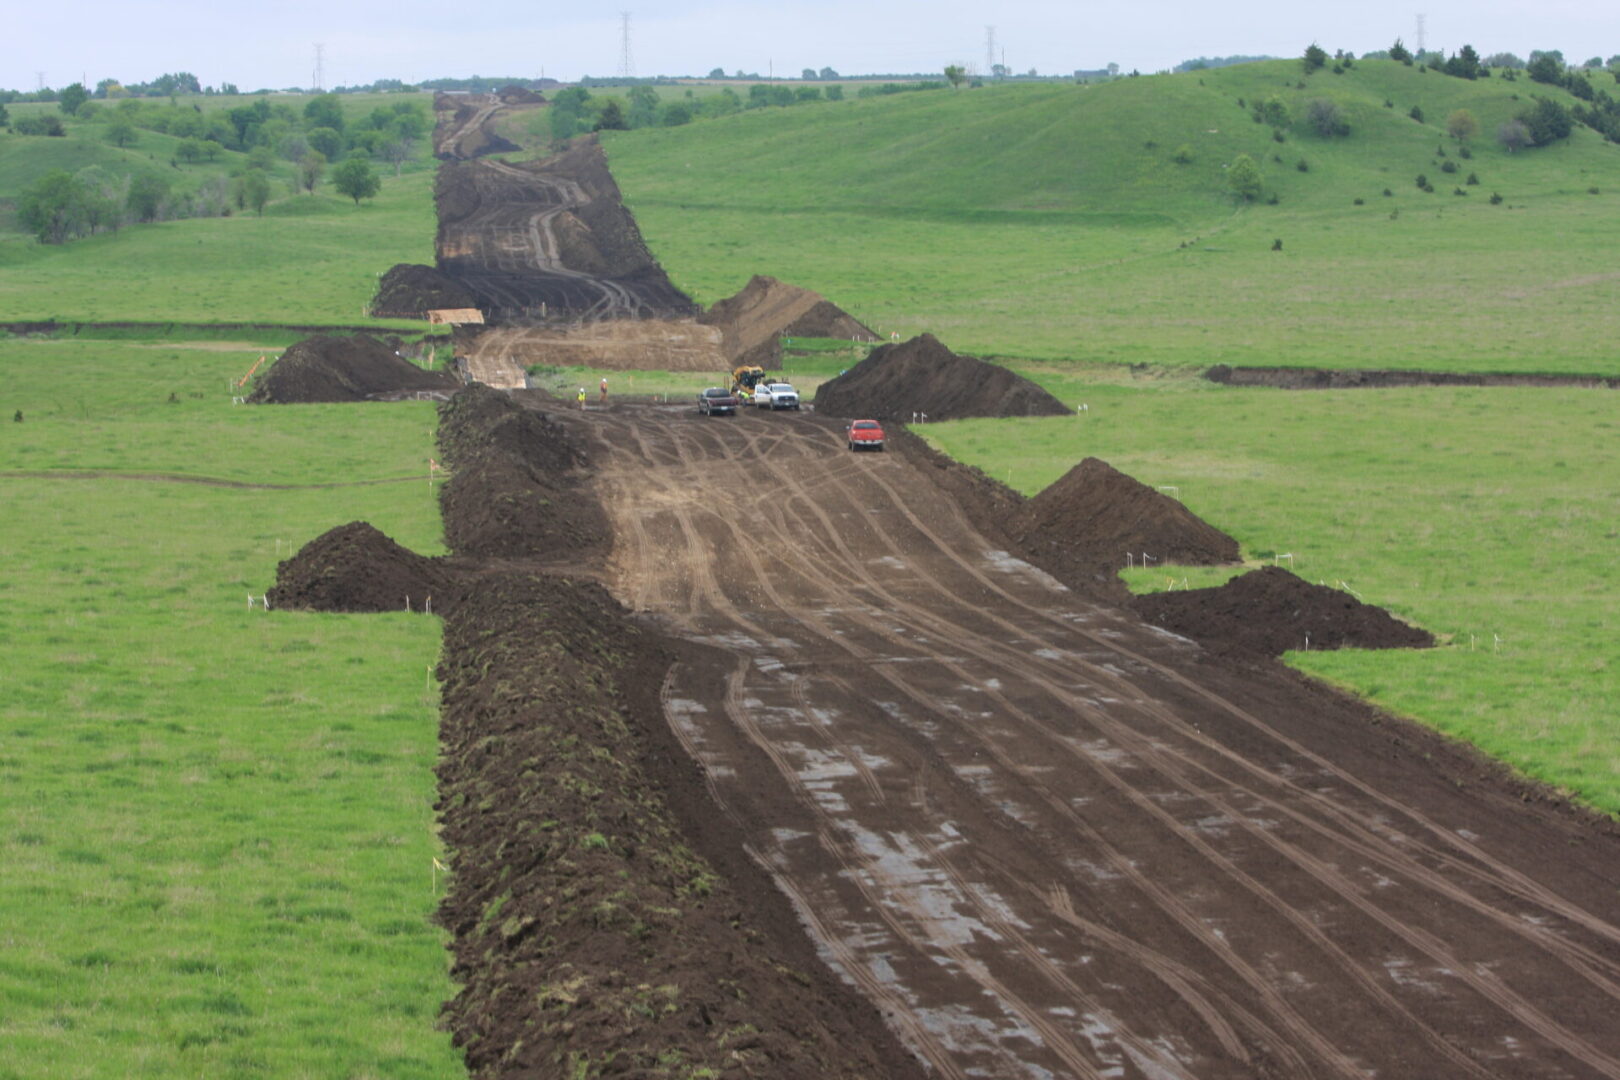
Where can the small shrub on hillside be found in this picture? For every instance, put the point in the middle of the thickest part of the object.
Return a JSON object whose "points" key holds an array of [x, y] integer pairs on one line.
{"points": [[1388, 104], [1327, 119], [1458, 191], [1315, 57], [1242, 104], [1276, 245], [1277, 158], [1496, 198], [1416, 114], [1449, 167], [1273, 200], [1150, 145], [1440, 150], [1592, 191], [1183, 155], [1422, 180], [1278, 136], [1465, 153], [1360, 201], [1388, 193], [1302, 165], [1473, 178]]}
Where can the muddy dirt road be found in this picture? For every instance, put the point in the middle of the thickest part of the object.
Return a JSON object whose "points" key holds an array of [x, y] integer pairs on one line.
{"points": [[1051, 842]]}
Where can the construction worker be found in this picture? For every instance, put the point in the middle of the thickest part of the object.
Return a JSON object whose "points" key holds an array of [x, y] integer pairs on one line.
{"points": [[582, 399], [604, 390]]}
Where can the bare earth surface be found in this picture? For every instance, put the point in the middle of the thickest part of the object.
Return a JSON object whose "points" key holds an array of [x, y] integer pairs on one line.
{"points": [[1048, 840]]}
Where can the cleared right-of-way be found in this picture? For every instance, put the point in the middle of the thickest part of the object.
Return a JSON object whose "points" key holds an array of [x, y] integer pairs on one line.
{"points": [[1049, 841]]}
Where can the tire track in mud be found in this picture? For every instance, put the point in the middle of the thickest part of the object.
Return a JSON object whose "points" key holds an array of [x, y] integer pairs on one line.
{"points": [[672, 465], [786, 770]]}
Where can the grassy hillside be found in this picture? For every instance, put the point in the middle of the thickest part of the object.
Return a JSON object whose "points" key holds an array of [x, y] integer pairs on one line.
{"points": [[310, 259], [1053, 221]]}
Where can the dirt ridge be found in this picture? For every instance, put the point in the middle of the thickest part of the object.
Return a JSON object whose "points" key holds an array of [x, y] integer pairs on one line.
{"points": [[754, 321], [1373, 379]]}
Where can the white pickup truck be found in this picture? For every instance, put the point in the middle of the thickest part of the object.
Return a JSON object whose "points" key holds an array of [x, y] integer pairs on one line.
{"points": [[776, 395]]}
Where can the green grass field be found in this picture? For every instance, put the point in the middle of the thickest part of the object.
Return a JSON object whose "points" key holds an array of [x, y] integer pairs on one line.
{"points": [[312, 259], [1480, 514], [216, 822], [1049, 222]]}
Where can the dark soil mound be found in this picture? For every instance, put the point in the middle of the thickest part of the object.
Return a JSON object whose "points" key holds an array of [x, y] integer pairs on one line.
{"points": [[1087, 520], [923, 376], [331, 368], [479, 420], [754, 321], [570, 208], [1372, 379], [583, 925], [519, 95], [514, 490], [410, 291], [1271, 611], [356, 568]]}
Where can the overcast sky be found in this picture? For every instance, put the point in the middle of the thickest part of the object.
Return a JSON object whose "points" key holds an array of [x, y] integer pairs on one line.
{"points": [[258, 46]]}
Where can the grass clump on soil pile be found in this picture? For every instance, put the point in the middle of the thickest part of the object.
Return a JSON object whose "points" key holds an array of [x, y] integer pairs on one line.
{"points": [[327, 367], [589, 939], [515, 489], [216, 826], [1088, 243], [1271, 611], [1482, 515], [923, 376]]}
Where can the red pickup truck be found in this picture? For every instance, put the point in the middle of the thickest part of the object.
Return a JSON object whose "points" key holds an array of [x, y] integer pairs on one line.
{"points": [[867, 434]]}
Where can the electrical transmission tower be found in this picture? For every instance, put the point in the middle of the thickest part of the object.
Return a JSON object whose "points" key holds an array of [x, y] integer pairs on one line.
{"points": [[1421, 20], [320, 67], [627, 67], [989, 51]]}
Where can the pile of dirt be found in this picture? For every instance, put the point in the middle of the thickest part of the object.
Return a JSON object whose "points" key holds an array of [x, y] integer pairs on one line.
{"points": [[923, 376], [327, 367], [514, 94], [549, 239], [355, 567], [753, 322], [1271, 611], [516, 489], [1328, 379], [410, 291], [1085, 523], [588, 938]]}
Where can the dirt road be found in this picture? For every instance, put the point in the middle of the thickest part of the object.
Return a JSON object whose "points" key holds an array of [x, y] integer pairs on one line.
{"points": [[1049, 841]]}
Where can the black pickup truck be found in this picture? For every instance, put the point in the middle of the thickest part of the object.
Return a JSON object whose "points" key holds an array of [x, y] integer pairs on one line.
{"points": [[717, 402]]}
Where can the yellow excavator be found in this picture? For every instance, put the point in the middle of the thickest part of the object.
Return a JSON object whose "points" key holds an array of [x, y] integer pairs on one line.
{"points": [[743, 381]]}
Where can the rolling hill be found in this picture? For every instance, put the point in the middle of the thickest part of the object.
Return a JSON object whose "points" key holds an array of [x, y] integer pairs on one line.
{"points": [[1055, 222]]}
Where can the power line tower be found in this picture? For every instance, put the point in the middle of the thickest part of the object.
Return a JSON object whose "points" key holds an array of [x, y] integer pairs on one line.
{"points": [[989, 51], [320, 67], [627, 67], [1421, 20], [39, 80]]}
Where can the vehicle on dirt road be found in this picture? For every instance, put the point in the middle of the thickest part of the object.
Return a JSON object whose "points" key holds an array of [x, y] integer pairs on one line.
{"points": [[717, 402], [865, 435], [776, 395], [744, 379]]}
